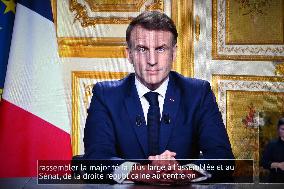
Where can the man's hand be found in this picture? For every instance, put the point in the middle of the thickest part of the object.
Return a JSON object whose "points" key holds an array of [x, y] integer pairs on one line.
{"points": [[165, 155], [161, 160], [278, 165], [281, 166]]}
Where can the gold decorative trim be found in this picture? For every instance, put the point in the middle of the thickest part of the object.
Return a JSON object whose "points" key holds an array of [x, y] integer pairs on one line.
{"points": [[279, 69], [91, 41], [81, 13], [54, 14], [92, 47], [214, 30], [182, 15], [76, 76], [217, 56], [157, 5], [197, 28], [93, 51], [218, 77], [117, 7]]}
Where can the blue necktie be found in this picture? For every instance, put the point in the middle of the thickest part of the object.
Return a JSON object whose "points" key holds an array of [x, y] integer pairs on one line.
{"points": [[153, 123]]}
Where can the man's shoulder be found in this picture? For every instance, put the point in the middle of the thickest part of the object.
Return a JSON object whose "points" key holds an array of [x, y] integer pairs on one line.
{"points": [[274, 141], [114, 85], [188, 82]]}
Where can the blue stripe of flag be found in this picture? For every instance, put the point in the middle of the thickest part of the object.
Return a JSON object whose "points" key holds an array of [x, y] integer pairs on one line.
{"points": [[6, 29], [42, 7]]}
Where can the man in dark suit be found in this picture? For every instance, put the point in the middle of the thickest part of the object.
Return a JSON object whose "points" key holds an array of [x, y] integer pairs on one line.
{"points": [[181, 122]]}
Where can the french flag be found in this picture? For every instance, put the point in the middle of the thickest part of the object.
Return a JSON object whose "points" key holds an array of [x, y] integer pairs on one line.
{"points": [[34, 122]]}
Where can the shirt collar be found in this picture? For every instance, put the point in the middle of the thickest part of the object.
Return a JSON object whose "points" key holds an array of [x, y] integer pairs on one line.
{"points": [[142, 89]]}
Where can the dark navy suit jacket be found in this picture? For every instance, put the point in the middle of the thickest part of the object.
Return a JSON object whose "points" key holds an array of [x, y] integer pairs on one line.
{"points": [[193, 122]]}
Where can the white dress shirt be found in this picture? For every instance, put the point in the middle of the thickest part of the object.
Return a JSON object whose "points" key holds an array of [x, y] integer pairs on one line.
{"points": [[142, 90]]}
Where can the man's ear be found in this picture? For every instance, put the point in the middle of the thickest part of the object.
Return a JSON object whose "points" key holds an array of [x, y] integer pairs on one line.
{"points": [[175, 48], [128, 54]]}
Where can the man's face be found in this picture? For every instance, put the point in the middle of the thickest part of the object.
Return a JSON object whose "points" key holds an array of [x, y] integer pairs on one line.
{"points": [[281, 131], [152, 53]]}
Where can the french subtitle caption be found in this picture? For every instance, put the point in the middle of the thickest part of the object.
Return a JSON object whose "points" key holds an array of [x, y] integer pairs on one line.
{"points": [[77, 172]]}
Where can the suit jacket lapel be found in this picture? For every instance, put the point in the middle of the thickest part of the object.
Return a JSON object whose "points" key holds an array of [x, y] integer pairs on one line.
{"points": [[136, 115], [170, 109]]}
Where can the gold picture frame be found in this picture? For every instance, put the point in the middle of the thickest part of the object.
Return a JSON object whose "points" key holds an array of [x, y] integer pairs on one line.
{"points": [[228, 44], [114, 47]]}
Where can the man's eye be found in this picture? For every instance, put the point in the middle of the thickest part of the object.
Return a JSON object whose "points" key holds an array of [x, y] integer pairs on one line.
{"points": [[161, 49], [141, 49]]}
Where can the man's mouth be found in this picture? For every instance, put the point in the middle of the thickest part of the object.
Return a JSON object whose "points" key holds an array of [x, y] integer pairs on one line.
{"points": [[152, 71]]}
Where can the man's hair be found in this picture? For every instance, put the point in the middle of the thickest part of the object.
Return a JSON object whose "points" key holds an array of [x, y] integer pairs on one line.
{"points": [[152, 20], [280, 122]]}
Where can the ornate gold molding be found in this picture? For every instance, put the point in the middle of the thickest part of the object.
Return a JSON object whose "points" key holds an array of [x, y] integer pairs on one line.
{"points": [[214, 30], [128, 6], [119, 6], [279, 69], [182, 14], [81, 13], [54, 14], [157, 5], [197, 28], [76, 76], [92, 47], [223, 51], [217, 77], [87, 93]]}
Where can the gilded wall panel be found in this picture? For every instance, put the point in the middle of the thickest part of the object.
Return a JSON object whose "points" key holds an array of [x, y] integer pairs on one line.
{"points": [[251, 121], [255, 22], [82, 84], [248, 30], [250, 107]]}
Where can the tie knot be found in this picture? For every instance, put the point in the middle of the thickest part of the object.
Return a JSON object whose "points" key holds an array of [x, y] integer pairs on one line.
{"points": [[152, 98]]}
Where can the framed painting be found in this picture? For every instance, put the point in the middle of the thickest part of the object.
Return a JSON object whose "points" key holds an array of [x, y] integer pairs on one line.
{"points": [[248, 30]]}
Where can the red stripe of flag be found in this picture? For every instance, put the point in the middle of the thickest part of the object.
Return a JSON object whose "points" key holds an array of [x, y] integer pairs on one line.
{"points": [[26, 138]]}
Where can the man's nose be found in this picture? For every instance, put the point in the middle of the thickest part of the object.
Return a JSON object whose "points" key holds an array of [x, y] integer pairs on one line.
{"points": [[152, 57]]}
